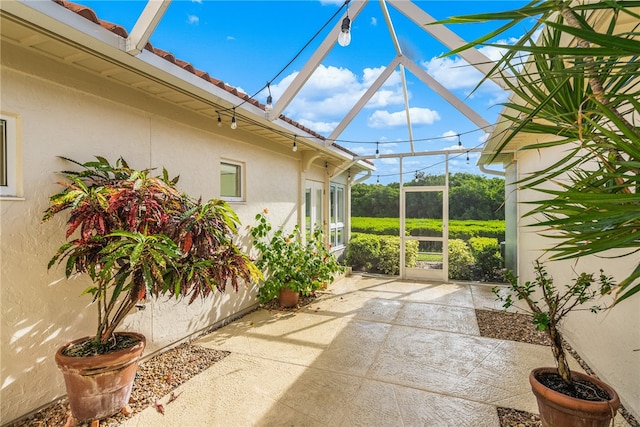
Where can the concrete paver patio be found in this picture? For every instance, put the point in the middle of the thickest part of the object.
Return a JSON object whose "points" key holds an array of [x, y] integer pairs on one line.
{"points": [[371, 351]]}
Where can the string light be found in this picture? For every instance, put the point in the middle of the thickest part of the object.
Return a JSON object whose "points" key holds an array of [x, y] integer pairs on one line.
{"points": [[378, 180], [344, 38], [269, 105], [459, 142], [467, 157], [234, 124], [377, 151], [219, 120], [295, 144]]}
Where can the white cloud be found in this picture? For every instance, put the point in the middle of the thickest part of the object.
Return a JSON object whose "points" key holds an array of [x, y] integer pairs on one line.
{"points": [[319, 126], [450, 136], [230, 38], [192, 19], [196, 1], [332, 91], [419, 116], [390, 160], [455, 73], [361, 150], [369, 75], [374, 21]]}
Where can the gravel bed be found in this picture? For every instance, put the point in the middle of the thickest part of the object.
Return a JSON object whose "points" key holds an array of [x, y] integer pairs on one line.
{"points": [[156, 377], [161, 374]]}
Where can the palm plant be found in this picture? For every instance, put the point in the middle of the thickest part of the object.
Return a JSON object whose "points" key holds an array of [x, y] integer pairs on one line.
{"points": [[579, 81], [137, 236]]}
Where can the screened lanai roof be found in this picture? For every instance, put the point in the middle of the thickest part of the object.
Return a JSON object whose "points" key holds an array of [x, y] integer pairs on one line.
{"points": [[276, 124]]}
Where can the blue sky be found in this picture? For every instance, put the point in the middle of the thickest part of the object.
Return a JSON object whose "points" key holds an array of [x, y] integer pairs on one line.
{"points": [[248, 43]]}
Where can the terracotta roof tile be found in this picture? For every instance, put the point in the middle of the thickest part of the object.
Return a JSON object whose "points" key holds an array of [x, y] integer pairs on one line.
{"points": [[89, 14], [164, 54]]}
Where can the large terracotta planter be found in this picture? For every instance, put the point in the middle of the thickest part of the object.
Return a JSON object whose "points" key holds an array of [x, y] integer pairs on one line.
{"points": [[560, 410], [288, 298], [100, 386]]}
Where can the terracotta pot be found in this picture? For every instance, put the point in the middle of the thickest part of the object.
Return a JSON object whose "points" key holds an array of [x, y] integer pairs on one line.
{"points": [[288, 298], [560, 410], [100, 386]]}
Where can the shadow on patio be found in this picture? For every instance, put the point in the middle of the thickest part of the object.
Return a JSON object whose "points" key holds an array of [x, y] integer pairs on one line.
{"points": [[372, 351]]}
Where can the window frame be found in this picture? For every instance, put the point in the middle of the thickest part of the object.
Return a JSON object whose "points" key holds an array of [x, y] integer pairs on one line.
{"points": [[10, 137], [240, 175], [337, 207], [314, 204]]}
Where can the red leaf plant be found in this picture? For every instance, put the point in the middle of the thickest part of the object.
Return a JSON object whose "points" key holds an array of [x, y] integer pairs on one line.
{"points": [[137, 236]]}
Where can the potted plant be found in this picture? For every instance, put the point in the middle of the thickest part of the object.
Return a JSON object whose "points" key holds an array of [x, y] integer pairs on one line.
{"points": [[565, 397], [290, 266], [136, 236]]}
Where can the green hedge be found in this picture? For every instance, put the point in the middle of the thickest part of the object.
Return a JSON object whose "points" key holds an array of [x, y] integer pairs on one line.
{"points": [[458, 229], [477, 259], [488, 259], [379, 254], [460, 260]]}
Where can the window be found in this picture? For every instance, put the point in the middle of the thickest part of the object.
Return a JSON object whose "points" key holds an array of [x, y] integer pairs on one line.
{"points": [[313, 207], [337, 208], [8, 160], [231, 181]]}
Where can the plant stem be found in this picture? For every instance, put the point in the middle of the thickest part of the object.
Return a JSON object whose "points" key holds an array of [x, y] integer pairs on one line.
{"points": [[560, 356]]}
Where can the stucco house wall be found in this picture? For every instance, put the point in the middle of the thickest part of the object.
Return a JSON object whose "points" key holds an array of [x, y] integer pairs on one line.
{"points": [[62, 110], [607, 341]]}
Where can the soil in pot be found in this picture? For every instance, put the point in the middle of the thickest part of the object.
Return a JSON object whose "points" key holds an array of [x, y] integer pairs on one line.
{"points": [[99, 386], [585, 390]]}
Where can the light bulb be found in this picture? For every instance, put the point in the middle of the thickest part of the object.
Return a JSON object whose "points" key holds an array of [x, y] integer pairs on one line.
{"points": [[219, 121], [295, 146], [377, 151], [344, 38], [269, 106], [234, 124]]}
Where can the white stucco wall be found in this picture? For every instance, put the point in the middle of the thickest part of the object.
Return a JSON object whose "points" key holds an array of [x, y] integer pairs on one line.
{"points": [[78, 115], [609, 341]]}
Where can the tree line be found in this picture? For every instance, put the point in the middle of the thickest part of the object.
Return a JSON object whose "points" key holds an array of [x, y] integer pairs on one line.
{"points": [[470, 197]]}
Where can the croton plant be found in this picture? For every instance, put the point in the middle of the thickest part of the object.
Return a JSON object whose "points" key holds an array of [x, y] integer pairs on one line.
{"points": [[137, 236]]}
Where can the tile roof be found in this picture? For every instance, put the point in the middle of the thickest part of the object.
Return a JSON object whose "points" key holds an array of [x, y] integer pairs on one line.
{"points": [[89, 14]]}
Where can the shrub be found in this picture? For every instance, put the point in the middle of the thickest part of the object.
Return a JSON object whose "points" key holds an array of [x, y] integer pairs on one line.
{"points": [[363, 251], [460, 260], [489, 262], [287, 262], [380, 254], [411, 253], [389, 259]]}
